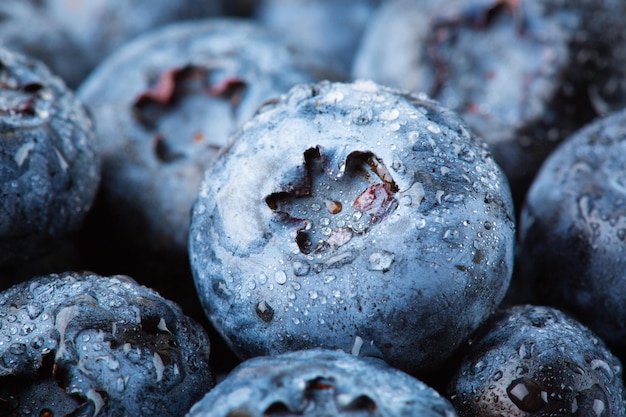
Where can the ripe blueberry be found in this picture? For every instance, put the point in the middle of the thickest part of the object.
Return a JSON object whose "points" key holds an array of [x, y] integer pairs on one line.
{"points": [[320, 383], [357, 217], [164, 105], [87, 345], [49, 164], [523, 74], [537, 361], [573, 228]]}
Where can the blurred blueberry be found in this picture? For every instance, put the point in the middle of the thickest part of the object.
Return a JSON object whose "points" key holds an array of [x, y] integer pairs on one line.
{"points": [[72, 37], [353, 217], [330, 28], [164, 105], [522, 74]]}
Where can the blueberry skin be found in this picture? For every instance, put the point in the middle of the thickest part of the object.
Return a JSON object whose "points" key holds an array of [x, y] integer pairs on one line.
{"points": [[573, 226], [163, 106], [82, 28], [523, 74], [49, 161], [331, 29], [27, 29], [84, 345], [537, 361], [353, 217], [320, 383]]}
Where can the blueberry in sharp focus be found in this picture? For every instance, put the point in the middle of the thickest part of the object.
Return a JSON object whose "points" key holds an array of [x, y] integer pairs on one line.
{"points": [[355, 217], [49, 164], [523, 74], [537, 361], [86, 345], [320, 383], [164, 105], [573, 229]]}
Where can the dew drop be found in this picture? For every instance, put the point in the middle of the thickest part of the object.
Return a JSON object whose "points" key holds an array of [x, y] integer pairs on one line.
{"points": [[598, 407], [37, 343], [420, 223], [380, 261], [433, 129], [313, 295], [120, 385], [479, 366], [600, 364], [527, 395], [34, 310], [333, 207], [280, 277], [301, 268], [17, 348], [27, 328], [390, 115], [362, 116], [265, 311]]}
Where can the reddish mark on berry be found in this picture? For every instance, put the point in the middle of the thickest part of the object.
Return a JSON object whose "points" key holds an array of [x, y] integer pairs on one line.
{"points": [[376, 200]]}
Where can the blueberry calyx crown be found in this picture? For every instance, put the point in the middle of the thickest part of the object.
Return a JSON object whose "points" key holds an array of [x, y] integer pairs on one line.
{"points": [[170, 88], [320, 398], [336, 196], [21, 97]]}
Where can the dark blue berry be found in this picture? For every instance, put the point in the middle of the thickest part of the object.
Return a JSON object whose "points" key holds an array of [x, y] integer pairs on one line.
{"points": [[573, 227], [355, 217], [49, 164], [522, 74], [537, 361], [28, 29], [87, 345], [320, 383], [331, 30], [164, 106]]}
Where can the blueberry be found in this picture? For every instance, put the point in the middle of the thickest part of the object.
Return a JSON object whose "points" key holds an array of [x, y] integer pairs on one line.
{"points": [[331, 29], [26, 28], [537, 361], [353, 217], [82, 28], [164, 105], [320, 383], [523, 74], [86, 345], [573, 227], [49, 164]]}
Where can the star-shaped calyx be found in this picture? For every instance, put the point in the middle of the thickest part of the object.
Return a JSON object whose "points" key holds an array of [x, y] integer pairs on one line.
{"points": [[176, 105], [336, 195]]}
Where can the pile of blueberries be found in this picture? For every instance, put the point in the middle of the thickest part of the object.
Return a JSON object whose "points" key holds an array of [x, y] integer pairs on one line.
{"points": [[247, 208]]}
